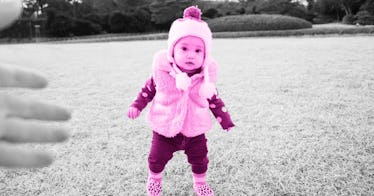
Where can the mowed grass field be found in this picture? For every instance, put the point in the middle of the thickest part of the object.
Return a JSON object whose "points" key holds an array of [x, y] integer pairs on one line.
{"points": [[303, 109]]}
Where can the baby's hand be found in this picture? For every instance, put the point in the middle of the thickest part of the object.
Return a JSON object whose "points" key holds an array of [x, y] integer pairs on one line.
{"points": [[228, 129], [133, 112]]}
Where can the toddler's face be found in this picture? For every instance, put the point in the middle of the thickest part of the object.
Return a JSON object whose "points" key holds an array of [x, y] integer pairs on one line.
{"points": [[189, 53]]}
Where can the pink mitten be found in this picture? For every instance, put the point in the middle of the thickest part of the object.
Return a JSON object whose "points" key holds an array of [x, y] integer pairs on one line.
{"points": [[133, 112], [182, 81], [207, 90]]}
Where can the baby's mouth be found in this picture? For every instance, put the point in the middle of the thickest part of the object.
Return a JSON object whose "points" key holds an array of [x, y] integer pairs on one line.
{"points": [[190, 63]]}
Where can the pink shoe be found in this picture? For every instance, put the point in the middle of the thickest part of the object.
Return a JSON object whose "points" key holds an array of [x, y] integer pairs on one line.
{"points": [[154, 186], [203, 189]]}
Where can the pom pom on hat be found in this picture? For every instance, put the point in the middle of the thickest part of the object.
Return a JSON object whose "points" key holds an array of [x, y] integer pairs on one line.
{"points": [[192, 12], [190, 25]]}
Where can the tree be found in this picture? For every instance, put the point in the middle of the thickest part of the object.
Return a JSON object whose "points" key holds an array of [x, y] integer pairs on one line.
{"points": [[210, 13], [339, 8], [351, 7], [125, 6], [34, 7], [310, 5], [329, 9], [283, 7], [59, 25], [117, 22], [368, 6], [143, 18], [60, 7], [85, 27], [165, 11]]}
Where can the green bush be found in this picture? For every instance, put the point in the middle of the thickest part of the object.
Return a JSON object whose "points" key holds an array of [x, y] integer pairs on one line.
{"points": [[93, 17], [85, 27], [257, 23], [141, 21], [59, 26], [210, 13], [349, 19], [368, 6], [364, 18], [126, 23], [117, 22], [320, 19], [19, 29]]}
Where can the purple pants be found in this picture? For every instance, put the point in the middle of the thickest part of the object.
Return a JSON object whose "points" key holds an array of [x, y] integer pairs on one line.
{"points": [[162, 150]]}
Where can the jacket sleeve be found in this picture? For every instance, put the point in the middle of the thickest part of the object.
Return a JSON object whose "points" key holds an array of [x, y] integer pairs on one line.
{"points": [[145, 95], [220, 112]]}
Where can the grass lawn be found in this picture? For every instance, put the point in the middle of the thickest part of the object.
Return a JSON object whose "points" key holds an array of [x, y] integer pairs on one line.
{"points": [[303, 106]]}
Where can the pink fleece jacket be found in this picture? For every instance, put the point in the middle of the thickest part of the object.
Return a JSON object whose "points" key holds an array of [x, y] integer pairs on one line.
{"points": [[175, 111]]}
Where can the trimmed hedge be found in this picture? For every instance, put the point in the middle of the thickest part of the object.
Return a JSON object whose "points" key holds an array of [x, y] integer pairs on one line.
{"points": [[85, 27], [257, 23]]}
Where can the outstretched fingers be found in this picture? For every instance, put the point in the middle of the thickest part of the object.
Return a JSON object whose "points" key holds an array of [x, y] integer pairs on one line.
{"points": [[13, 77], [11, 156], [20, 131], [21, 108]]}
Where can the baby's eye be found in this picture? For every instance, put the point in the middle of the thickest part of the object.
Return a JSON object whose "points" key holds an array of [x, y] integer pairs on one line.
{"points": [[184, 48], [198, 50]]}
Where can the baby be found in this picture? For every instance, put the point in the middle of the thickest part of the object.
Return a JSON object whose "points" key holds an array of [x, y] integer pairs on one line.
{"points": [[183, 91]]}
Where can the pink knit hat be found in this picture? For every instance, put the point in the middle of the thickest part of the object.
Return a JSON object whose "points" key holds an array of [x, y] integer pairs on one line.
{"points": [[190, 25]]}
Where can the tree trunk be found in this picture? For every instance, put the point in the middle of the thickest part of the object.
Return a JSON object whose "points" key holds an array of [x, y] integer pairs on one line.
{"points": [[346, 6]]}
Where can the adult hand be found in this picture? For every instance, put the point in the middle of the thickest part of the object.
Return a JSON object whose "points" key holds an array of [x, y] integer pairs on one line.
{"points": [[133, 112], [10, 10], [15, 126]]}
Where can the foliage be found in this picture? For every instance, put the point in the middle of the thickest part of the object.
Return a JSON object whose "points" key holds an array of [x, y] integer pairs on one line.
{"points": [[82, 9], [322, 19], [18, 30], [100, 19], [85, 27], [118, 22], [329, 9], [34, 7], [364, 18], [143, 20], [59, 25], [150, 15], [60, 7], [337, 9], [128, 23], [221, 8], [348, 19], [368, 6], [125, 6], [95, 18], [351, 7], [210, 13], [257, 22], [283, 7], [165, 11]]}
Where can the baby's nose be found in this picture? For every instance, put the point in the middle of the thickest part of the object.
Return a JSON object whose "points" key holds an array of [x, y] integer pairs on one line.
{"points": [[190, 55]]}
